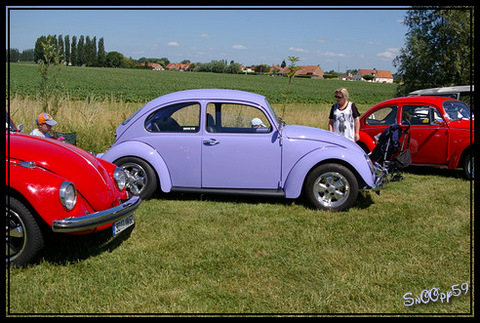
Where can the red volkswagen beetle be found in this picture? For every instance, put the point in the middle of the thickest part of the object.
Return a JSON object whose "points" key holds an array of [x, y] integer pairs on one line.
{"points": [[442, 130], [55, 185]]}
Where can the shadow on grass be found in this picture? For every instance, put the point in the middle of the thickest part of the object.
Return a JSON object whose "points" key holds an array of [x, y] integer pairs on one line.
{"points": [[434, 171], [364, 199], [223, 198], [62, 249]]}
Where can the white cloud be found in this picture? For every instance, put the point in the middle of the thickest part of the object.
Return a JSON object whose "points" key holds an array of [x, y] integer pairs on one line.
{"points": [[205, 35], [298, 50], [328, 53], [173, 43], [239, 47], [389, 53]]}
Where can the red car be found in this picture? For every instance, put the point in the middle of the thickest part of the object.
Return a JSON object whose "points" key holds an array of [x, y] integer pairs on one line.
{"points": [[54, 186], [442, 131]]}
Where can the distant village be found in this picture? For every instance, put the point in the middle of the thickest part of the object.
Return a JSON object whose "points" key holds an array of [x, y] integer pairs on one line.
{"points": [[310, 71]]}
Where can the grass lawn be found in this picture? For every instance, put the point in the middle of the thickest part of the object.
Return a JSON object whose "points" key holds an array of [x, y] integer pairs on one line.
{"points": [[191, 253], [208, 254]]}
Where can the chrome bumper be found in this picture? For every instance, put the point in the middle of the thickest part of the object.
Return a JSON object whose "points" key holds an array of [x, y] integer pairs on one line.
{"points": [[381, 177], [97, 219]]}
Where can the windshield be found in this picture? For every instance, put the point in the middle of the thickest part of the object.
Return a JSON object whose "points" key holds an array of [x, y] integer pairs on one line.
{"points": [[456, 110], [10, 125], [272, 113]]}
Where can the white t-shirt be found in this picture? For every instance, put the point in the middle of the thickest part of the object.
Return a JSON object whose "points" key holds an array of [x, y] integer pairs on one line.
{"points": [[344, 120], [38, 133]]}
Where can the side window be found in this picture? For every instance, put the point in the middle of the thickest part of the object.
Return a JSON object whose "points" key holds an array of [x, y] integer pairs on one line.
{"points": [[182, 117], [236, 118], [383, 116], [420, 115]]}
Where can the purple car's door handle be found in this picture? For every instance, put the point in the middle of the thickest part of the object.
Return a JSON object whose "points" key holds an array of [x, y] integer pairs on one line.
{"points": [[211, 142]]}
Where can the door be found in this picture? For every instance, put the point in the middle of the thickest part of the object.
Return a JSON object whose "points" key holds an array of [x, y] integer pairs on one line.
{"points": [[174, 131], [240, 148], [429, 134]]}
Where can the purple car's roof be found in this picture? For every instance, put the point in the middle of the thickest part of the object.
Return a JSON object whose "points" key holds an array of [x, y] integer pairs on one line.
{"points": [[205, 94], [192, 95]]}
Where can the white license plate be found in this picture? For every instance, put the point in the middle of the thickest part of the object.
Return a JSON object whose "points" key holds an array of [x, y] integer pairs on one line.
{"points": [[122, 224]]}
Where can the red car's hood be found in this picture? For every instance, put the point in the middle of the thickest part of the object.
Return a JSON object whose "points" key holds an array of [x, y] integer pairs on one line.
{"points": [[70, 162]]}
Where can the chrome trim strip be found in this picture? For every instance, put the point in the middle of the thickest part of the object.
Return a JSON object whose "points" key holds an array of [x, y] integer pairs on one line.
{"points": [[93, 220]]}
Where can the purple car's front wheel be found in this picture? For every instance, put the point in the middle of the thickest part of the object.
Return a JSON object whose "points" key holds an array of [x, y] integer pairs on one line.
{"points": [[331, 187], [141, 178]]}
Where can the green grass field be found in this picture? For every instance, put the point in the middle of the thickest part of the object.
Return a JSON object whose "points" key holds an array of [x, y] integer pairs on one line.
{"points": [[216, 254], [208, 254], [142, 85]]}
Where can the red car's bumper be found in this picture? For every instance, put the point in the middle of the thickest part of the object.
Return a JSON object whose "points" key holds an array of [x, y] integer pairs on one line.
{"points": [[97, 219]]}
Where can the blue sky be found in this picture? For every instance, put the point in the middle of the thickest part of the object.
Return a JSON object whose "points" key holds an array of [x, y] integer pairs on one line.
{"points": [[335, 38]]}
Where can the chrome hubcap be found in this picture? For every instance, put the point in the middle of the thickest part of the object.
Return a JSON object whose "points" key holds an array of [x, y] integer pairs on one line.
{"points": [[16, 236], [136, 178], [331, 189]]}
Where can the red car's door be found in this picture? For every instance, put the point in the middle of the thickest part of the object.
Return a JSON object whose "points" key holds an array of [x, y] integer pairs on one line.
{"points": [[429, 134]]}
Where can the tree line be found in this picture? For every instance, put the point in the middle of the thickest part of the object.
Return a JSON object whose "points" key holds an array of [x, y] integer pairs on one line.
{"points": [[77, 51]]}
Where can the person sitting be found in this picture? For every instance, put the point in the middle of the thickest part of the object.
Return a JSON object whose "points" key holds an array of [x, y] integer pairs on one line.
{"points": [[45, 123]]}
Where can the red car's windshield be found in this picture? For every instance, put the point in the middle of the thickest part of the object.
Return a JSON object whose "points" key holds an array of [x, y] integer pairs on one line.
{"points": [[456, 110]]}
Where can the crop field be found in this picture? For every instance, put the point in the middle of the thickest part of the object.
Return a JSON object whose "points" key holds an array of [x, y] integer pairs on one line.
{"points": [[405, 252], [129, 85]]}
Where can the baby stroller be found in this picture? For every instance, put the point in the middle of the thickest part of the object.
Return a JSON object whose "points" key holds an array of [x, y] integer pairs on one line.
{"points": [[390, 153]]}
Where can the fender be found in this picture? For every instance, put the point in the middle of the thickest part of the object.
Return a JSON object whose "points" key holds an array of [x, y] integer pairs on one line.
{"points": [[456, 158], [146, 152], [41, 189], [296, 177], [367, 140]]}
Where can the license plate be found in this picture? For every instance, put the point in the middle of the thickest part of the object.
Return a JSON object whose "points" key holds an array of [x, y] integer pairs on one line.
{"points": [[122, 224]]}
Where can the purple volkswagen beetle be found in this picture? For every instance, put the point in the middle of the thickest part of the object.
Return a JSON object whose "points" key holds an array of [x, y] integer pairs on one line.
{"points": [[228, 141]]}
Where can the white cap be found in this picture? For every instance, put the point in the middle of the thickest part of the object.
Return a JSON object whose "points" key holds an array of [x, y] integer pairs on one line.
{"points": [[257, 122]]}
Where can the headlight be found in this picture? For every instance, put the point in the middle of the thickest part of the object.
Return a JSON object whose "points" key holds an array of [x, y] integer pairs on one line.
{"points": [[68, 195], [120, 178]]}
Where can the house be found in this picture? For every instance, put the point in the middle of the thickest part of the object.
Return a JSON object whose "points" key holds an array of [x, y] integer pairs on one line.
{"points": [[378, 75], [345, 78], [250, 69], [315, 71], [178, 67], [384, 77], [156, 67]]}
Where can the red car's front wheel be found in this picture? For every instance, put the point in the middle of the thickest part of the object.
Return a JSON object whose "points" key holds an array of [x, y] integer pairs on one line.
{"points": [[24, 237]]}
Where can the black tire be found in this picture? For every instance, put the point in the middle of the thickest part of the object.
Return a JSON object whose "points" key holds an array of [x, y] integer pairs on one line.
{"points": [[331, 187], [25, 240], [469, 166], [141, 178]]}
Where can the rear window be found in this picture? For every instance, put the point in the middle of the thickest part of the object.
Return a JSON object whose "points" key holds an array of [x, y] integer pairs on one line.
{"points": [[383, 116], [182, 117]]}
